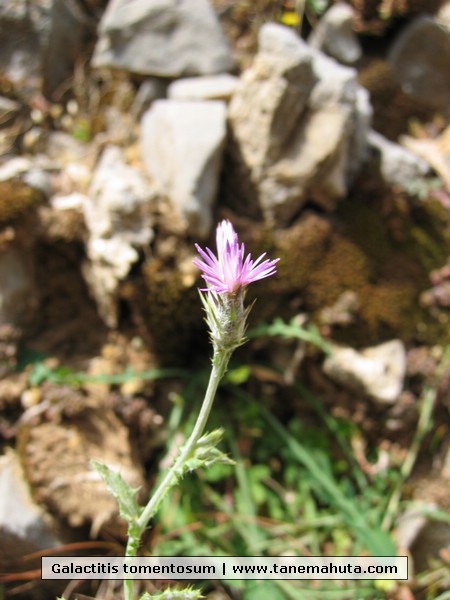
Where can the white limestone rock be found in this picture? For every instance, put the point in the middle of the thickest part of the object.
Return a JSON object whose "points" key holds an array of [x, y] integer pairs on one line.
{"points": [[118, 226], [209, 87], [182, 144], [399, 166], [168, 38], [378, 371]]}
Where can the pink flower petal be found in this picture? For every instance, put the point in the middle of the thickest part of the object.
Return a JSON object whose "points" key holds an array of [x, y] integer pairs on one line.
{"points": [[228, 271]]}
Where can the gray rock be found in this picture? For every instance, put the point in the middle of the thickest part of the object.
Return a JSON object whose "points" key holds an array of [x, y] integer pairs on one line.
{"points": [[271, 96], [24, 526], [212, 87], [335, 36], [169, 38], [299, 122], [398, 165], [378, 371], [321, 141], [336, 83], [68, 30], [181, 145], [420, 59]]}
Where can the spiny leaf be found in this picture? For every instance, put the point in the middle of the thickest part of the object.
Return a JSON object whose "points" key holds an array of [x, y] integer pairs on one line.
{"points": [[206, 454], [214, 457], [210, 439], [120, 490]]}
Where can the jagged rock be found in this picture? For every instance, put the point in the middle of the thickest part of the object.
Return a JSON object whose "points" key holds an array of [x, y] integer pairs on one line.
{"points": [[117, 225], [419, 59], [181, 145], [212, 87], [299, 122], [24, 526], [117, 192], [164, 38], [378, 371], [398, 165], [271, 96], [334, 35]]}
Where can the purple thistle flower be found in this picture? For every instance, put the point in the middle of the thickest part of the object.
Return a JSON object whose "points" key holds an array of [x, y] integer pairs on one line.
{"points": [[228, 272]]}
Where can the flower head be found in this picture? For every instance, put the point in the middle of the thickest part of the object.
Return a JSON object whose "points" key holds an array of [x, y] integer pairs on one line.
{"points": [[229, 272]]}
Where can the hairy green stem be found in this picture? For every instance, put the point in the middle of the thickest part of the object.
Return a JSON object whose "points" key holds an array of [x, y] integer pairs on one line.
{"points": [[219, 367]]}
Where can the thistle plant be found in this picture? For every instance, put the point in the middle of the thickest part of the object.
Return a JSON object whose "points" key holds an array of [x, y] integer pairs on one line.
{"points": [[227, 276]]}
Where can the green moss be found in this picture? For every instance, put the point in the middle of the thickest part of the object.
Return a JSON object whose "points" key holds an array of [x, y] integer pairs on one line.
{"points": [[170, 311], [343, 267], [382, 245], [16, 199], [301, 250], [429, 235]]}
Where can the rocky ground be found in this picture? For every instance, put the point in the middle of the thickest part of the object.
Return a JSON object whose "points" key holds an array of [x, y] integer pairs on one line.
{"points": [[126, 134]]}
